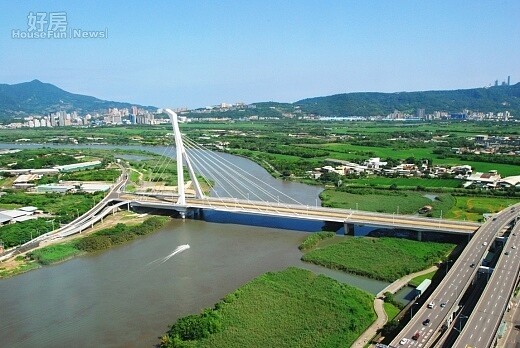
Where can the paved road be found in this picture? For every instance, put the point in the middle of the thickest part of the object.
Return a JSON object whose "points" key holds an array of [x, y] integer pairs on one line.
{"points": [[379, 308], [482, 324], [447, 295]]}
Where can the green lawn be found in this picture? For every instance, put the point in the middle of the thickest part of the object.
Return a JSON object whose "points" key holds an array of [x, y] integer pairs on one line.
{"points": [[419, 279], [391, 310], [385, 258], [290, 308]]}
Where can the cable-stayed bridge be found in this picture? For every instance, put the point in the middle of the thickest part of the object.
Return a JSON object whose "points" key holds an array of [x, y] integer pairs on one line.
{"points": [[233, 189]]}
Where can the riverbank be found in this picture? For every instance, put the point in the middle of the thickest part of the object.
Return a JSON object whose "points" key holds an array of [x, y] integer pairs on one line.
{"points": [[289, 308], [116, 229]]}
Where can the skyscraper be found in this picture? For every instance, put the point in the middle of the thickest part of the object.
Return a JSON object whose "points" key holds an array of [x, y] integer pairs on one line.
{"points": [[509, 80]]}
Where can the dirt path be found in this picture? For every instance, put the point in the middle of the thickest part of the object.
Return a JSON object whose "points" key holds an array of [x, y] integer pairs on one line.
{"points": [[379, 309]]}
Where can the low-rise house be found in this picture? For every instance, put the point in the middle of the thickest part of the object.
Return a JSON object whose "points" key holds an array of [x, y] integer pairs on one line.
{"points": [[77, 166], [4, 219], [25, 181], [489, 179], [14, 213], [509, 181], [374, 163], [55, 188], [94, 187], [30, 210]]}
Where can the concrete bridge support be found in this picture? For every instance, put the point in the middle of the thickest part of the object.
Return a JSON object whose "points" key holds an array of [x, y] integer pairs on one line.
{"points": [[349, 229], [419, 236]]}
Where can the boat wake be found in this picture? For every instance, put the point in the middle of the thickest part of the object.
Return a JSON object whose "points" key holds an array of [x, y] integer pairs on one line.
{"points": [[176, 251]]}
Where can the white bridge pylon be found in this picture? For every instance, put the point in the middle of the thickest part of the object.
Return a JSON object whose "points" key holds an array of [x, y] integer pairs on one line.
{"points": [[180, 156]]}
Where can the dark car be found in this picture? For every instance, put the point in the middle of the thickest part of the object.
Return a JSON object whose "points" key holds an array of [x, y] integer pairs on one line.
{"points": [[472, 265], [416, 336], [426, 322]]}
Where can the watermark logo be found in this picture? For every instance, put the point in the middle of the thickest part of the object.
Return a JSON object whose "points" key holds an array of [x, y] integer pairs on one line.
{"points": [[54, 25]]}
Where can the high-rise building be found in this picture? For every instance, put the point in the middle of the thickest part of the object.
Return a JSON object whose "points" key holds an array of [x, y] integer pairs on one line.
{"points": [[509, 80], [419, 113]]}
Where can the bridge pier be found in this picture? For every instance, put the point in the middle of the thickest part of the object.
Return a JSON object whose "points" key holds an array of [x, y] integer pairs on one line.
{"points": [[419, 236], [349, 229]]}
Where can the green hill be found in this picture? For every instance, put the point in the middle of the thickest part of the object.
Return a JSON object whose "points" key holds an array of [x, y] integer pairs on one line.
{"points": [[36, 97], [492, 99]]}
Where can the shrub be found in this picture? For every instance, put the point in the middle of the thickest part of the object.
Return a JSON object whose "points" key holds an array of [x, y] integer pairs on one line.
{"points": [[195, 327], [94, 243]]}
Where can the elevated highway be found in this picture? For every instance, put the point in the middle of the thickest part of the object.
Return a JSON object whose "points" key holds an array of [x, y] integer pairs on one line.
{"points": [[446, 297], [482, 325]]}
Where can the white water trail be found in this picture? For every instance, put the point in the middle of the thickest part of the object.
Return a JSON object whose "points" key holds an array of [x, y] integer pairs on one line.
{"points": [[177, 250]]}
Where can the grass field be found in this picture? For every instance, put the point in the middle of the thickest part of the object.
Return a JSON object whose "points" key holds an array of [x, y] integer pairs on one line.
{"points": [[472, 208], [383, 152], [405, 182], [419, 279], [290, 308], [391, 310], [385, 259], [409, 202]]}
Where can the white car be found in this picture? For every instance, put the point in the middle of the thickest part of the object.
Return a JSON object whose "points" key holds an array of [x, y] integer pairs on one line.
{"points": [[431, 304], [403, 341], [484, 244]]}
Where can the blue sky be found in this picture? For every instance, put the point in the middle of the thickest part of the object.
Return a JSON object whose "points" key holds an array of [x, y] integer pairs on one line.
{"points": [[198, 53]]}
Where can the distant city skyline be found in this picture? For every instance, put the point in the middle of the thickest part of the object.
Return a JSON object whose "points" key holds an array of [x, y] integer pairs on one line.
{"points": [[199, 53]]}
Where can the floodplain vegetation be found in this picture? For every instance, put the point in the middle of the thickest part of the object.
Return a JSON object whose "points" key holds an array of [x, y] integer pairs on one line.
{"points": [[100, 240], [97, 241], [289, 308], [313, 239], [385, 258]]}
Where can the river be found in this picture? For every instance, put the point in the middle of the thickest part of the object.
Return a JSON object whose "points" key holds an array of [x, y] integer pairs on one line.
{"points": [[122, 298]]}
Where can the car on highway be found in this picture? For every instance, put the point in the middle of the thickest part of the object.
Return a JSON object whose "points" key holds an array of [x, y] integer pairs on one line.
{"points": [[484, 244], [513, 247], [506, 253], [416, 336], [426, 322], [443, 304], [431, 304], [472, 265], [403, 341]]}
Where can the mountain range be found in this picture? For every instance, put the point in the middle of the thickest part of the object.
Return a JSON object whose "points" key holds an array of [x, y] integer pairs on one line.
{"points": [[489, 99], [36, 97]]}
